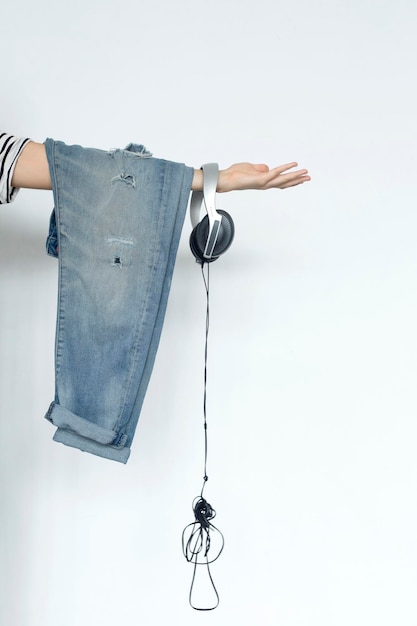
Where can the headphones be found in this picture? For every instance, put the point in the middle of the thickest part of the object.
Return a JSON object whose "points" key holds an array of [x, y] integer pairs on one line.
{"points": [[214, 234]]}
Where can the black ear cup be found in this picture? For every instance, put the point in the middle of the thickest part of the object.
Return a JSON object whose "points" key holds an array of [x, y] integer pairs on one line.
{"points": [[199, 235]]}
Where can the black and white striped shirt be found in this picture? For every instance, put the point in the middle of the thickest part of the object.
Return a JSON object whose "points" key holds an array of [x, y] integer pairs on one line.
{"points": [[10, 149]]}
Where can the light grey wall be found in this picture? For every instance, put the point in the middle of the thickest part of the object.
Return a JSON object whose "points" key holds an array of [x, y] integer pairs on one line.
{"points": [[312, 394]]}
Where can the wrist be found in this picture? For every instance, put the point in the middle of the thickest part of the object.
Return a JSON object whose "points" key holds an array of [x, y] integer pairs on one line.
{"points": [[222, 182], [197, 183]]}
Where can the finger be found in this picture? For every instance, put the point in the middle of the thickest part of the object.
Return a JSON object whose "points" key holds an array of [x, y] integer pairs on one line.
{"points": [[283, 168], [283, 179], [275, 177], [294, 183]]}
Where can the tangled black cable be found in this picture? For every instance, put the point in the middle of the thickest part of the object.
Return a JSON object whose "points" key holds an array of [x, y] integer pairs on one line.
{"points": [[197, 547]]}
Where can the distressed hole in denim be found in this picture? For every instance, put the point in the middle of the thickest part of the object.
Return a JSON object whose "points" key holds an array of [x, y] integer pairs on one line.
{"points": [[119, 251], [128, 179], [133, 149], [120, 240], [138, 150]]}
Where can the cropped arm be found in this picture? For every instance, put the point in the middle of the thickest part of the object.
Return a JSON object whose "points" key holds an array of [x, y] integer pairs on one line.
{"points": [[32, 171]]}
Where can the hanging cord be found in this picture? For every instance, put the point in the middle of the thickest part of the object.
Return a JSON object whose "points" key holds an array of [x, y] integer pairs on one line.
{"points": [[196, 548]]}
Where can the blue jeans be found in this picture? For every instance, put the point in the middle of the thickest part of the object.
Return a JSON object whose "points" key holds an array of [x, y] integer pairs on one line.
{"points": [[115, 228]]}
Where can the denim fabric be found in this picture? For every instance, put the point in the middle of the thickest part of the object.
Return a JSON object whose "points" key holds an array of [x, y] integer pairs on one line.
{"points": [[115, 229]]}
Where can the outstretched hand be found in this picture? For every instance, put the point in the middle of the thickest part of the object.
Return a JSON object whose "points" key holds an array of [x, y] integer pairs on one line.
{"points": [[255, 176], [251, 176]]}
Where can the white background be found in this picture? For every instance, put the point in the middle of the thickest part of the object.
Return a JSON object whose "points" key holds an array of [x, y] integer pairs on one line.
{"points": [[312, 366]]}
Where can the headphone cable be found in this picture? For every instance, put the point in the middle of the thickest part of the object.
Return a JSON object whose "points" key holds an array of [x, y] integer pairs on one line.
{"points": [[196, 548], [206, 281]]}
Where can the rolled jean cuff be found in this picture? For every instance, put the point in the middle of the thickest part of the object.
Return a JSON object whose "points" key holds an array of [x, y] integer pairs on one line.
{"points": [[78, 432]]}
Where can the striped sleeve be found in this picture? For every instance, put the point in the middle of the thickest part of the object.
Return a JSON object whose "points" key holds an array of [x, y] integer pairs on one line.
{"points": [[10, 149]]}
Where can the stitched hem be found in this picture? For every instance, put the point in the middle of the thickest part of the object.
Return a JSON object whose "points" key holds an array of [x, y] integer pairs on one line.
{"points": [[78, 432], [87, 445]]}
